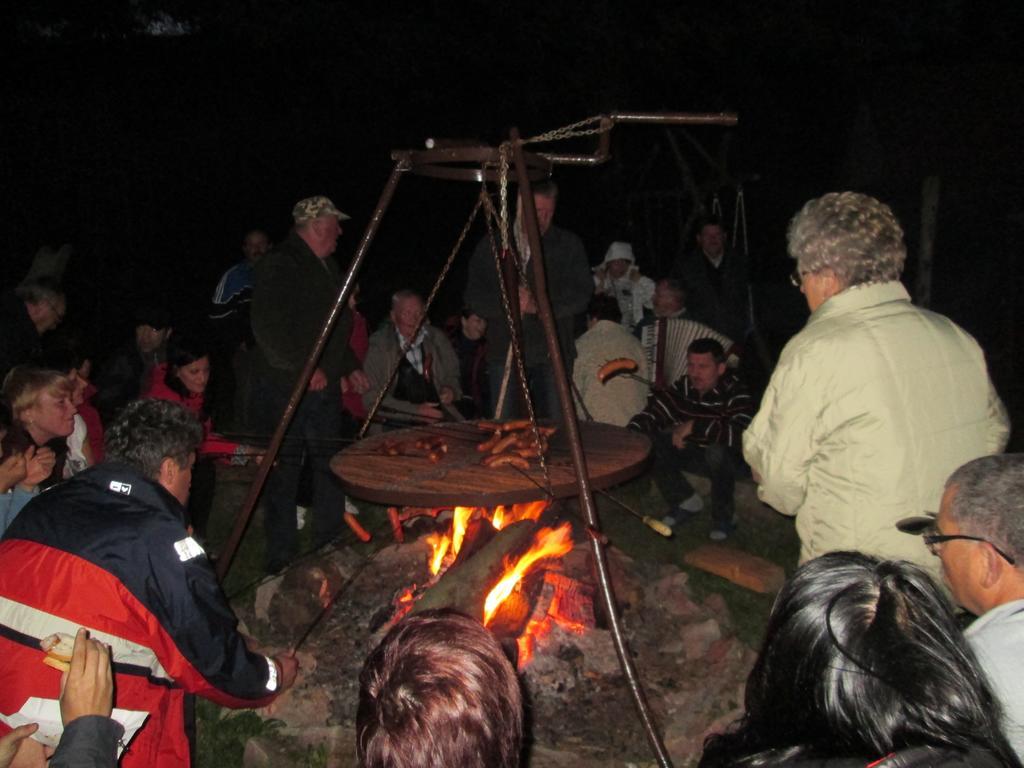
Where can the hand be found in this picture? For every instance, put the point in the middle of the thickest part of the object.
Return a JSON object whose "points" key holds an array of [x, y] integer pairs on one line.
{"points": [[318, 381], [11, 743], [39, 463], [680, 433], [251, 453], [429, 411], [359, 382], [288, 669], [527, 304], [447, 395], [13, 470], [88, 687]]}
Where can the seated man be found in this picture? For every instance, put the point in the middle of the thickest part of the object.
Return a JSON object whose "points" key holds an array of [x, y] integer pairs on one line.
{"points": [[428, 374], [979, 538], [439, 691], [666, 336], [615, 400], [696, 426]]}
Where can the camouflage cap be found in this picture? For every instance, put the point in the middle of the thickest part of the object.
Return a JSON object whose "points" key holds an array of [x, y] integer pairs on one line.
{"points": [[315, 207]]}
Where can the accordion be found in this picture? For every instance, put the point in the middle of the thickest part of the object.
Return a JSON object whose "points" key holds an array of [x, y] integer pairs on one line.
{"points": [[665, 342]]}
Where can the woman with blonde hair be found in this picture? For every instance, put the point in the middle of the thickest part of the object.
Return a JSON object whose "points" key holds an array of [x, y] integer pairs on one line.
{"points": [[44, 417]]}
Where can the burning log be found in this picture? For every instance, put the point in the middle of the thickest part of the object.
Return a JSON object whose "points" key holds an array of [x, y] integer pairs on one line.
{"points": [[465, 587]]}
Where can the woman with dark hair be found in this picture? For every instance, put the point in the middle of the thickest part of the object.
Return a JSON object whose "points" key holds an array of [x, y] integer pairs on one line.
{"points": [[183, 379], [863, 665]]}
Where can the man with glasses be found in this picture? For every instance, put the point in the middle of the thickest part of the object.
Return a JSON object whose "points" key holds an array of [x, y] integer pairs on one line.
{"points": [[875, 401], [978, 536]]}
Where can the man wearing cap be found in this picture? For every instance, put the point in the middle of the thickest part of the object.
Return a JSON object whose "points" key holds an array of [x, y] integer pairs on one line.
{"points": [[295, 287], [979, 538], [619, 276]]}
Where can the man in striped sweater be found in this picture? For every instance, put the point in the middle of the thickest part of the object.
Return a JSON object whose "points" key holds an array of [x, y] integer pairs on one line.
{"points": [[695, 425]]}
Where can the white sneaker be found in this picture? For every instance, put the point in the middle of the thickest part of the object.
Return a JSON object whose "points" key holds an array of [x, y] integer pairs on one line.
{"points": [[300, 517], [350, 507], [669, 520], [718, 535], [693, 504]]}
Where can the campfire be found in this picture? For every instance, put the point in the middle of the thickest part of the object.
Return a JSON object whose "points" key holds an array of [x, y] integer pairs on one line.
{"points": [[500, 565]]}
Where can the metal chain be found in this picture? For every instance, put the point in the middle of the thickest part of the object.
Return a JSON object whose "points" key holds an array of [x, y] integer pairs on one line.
{"points": [[514, 344], [570, 131], [407, 344]]}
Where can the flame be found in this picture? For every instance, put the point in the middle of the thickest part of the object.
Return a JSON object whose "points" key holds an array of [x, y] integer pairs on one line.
{"points": [[404, 602], [440, 544], [548, 542], [537, 629], [531, 510], [498, 517], [460, 519], [502, 515]]}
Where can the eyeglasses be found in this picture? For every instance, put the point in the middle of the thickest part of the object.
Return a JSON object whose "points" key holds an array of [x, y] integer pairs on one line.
{"points": [[933, 540], [797, 278]]}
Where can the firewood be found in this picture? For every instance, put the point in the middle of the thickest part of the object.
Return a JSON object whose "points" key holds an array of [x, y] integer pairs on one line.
{"points": [[750, 571], [465, 586]]}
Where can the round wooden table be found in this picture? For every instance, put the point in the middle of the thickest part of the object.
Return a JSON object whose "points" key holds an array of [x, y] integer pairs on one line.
{"points": [[613, 455]]}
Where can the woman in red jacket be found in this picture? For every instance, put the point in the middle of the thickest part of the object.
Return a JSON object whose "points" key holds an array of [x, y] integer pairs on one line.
{"points": [[184, 379]]}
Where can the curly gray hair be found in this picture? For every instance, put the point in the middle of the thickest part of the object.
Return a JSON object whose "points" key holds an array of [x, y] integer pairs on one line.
{"points": [[148, 431], [855, 236], [989, 500]]}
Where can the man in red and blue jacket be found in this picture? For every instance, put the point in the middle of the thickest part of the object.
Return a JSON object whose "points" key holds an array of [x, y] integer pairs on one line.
{"points": [[109, 551]]}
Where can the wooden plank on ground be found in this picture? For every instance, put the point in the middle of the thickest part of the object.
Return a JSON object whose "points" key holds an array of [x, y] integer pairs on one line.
{"points": [[750, 571]]}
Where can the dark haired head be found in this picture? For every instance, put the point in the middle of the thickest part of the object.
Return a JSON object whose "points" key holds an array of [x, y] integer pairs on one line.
{"points": [[154, 315], [546, 188], [148, 431], [439, 691], [861, 658], [707, 347], [183, 349], [604, 307], [709, 220]]}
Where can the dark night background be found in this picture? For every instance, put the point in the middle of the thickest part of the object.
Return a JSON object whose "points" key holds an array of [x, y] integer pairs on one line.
{"points": [[152, 134]]}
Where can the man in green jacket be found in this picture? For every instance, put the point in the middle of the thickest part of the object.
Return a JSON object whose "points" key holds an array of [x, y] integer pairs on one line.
{"points": [[295, 286], [875, 401]]}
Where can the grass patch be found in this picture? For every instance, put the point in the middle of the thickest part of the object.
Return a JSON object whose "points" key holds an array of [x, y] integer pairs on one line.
{"points": [[760, 532], [222, 733]]}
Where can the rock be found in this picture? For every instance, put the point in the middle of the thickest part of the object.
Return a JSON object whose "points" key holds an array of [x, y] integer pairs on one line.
{"points": [[625, 578], [340, 742], [671, 594], [261, 752], [305, 707], [599, 657], [698, 637], [264, 595], [545, 757]]}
